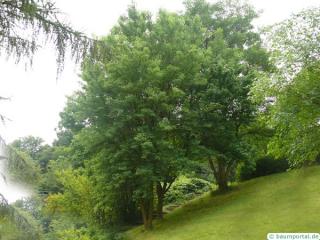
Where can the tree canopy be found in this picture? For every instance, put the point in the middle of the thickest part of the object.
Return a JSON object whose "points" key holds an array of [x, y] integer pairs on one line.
{"points": [[294, 44], [295, 117]]}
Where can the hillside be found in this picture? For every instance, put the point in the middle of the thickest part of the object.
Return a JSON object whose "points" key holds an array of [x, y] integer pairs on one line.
{"points": [[287, 202]]}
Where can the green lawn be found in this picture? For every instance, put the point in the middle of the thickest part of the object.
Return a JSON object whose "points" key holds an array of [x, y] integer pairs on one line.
{"points": [[288, 202]]}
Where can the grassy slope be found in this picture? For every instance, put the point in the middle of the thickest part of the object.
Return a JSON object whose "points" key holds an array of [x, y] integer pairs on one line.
{"points": [[288, 202]]}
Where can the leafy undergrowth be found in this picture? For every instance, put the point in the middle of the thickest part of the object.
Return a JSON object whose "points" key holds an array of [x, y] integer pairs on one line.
{"points": [[287, 202]]}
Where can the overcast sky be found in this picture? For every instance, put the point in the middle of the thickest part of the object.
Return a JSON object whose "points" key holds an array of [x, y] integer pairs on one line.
{"points": [[37, 97]]}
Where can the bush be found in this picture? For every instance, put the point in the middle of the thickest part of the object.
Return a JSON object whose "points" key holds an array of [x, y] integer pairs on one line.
{"points": [[246, 171], [269, 165], [185, 189], [263, 166]]}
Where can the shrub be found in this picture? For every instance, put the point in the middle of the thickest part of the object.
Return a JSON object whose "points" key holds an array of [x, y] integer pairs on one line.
{"points": [[263, 166], [246, 171], [269, 165], [185, 189]]}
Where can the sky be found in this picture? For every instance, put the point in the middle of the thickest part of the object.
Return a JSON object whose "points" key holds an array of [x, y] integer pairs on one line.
{"points": [[37, 96]]}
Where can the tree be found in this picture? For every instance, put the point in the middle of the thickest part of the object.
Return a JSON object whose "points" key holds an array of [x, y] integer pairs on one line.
{"points": [[130, 109], [220, 108], [30, 145], [21, 167], [294, 44], [24, 26], [170, 90], [295, 117], [16, 224], [23, 21], [77, 199], [39, 152]]}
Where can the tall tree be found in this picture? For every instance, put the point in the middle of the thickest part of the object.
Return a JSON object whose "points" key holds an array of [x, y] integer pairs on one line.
{"points": [[295, 117], [171, 88], [295, 47], [221, 107], [130, 108]]}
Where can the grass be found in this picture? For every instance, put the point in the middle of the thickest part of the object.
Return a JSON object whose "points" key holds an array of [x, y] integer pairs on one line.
{"points": [[287, 202]]}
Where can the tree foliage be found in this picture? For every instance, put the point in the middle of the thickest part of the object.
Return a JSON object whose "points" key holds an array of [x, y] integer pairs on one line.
{"points": [[30, 145], [25, 25], [19, 224], [294, 44], [172, 90], [221, 108], [137, 105], [293, 87], [295, 117], [196, 86]]}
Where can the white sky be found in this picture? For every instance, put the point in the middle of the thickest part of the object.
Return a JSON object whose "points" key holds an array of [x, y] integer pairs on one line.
{"points": [[37, 97]]}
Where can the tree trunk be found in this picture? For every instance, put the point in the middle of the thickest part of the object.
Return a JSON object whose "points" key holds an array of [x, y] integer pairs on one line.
{"points": [[147, 211], [162, 189], [222, 184], [160, 207], [222, 177], [221, 174], [160, 198]]}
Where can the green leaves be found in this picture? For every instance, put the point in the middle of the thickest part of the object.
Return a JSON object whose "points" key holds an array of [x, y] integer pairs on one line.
{"points": [[295, 117], [221, 105], [294, 43], [172, 90], [22, 21], [292, 87]]}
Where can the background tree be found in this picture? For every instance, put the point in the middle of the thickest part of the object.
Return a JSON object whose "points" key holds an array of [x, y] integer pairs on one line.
{"points": [[294, 45], [17, 224], [30, 145], [26, 24], [295, 118], [221, 107]]}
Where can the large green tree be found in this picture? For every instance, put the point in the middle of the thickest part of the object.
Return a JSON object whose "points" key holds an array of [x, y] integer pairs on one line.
{"points": [[295, 118], [130, 108], [170, 91], [293, 88], [220, 109]]}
